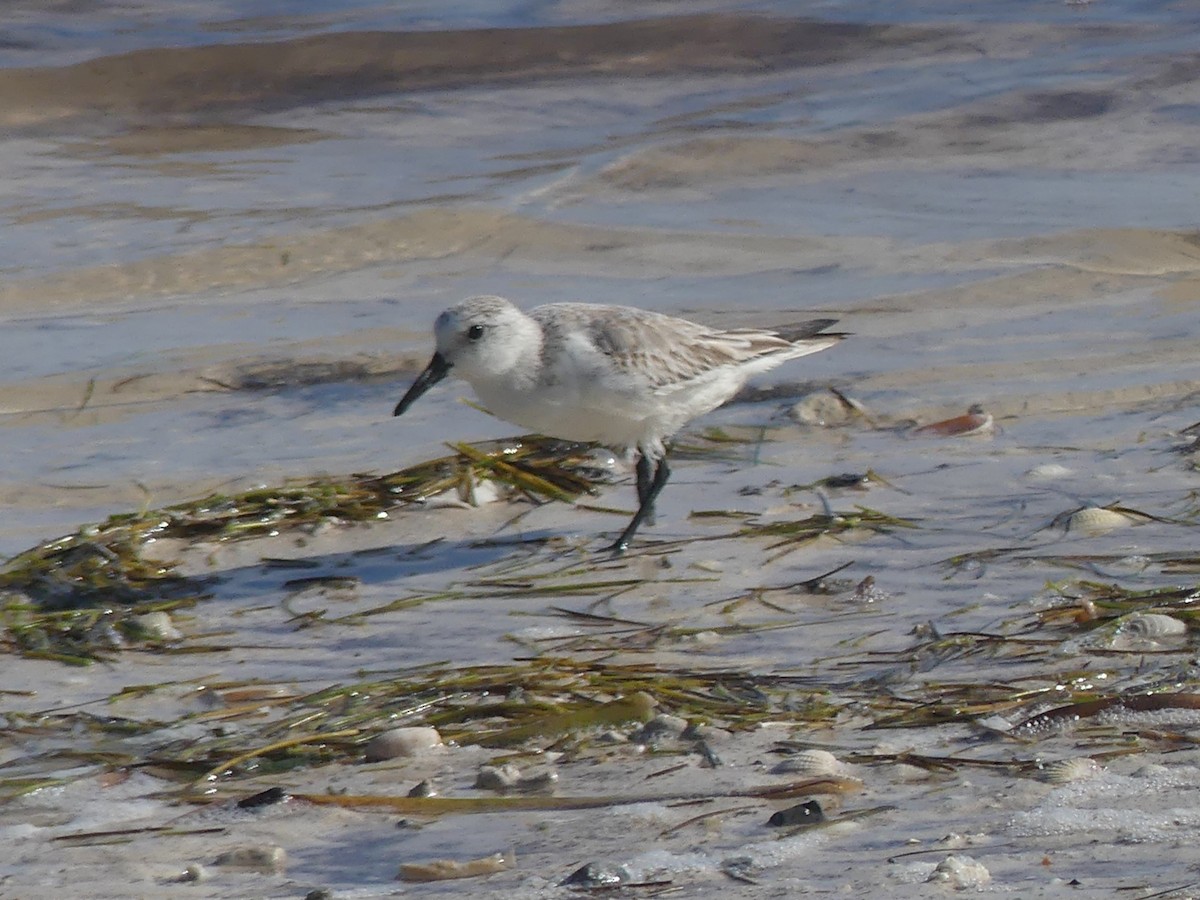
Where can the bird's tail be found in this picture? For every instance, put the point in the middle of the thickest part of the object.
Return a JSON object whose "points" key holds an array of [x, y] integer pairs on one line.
{"points": [[814, 328]]}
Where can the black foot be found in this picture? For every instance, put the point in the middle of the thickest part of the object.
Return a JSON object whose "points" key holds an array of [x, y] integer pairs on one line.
{"points": [[648, 491]]}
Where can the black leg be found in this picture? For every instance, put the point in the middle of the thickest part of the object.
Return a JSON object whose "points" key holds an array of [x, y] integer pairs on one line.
{"points": [[644, 476], [661, 474]]}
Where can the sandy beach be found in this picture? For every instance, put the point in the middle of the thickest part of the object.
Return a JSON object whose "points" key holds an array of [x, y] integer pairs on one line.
{"points": [[229, 232]]}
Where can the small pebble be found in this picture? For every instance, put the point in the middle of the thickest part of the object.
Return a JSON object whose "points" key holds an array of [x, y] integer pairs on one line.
{"points": [[263, 798], [423, 789], [742, 868], [541, 783], [402, 742], [497, 778], [192, 874], [809, 813], [710, 757], [846, 480], [596, 875], [661, 727], [508, 778]]}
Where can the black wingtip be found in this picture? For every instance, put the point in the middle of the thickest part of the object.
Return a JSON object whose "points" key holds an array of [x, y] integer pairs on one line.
{"points": [[814, 328]]}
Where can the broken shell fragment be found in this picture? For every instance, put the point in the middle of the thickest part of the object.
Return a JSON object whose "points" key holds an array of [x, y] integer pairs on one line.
{"points": [[961, 872], [158, 626], [974, 422], [828, 408], [445, 869], [1097, 520]]}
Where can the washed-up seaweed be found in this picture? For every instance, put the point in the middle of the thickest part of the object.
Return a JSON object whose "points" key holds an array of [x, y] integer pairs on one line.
{"points": [[793, 534], [250, 732], [83, 596], [528, 705]]}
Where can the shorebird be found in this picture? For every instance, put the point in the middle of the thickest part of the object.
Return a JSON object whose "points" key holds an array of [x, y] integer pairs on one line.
{"points": [[624, 377]]}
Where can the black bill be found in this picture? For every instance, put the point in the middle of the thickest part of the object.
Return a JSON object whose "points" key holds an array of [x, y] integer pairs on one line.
{"points": [[434, 372]]}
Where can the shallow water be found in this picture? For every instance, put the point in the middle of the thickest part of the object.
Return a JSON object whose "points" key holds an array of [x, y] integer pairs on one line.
{"points": [[220, 267]]}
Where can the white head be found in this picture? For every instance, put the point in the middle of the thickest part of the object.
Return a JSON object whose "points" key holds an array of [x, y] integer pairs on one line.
{"points": [[485, 336], [479, 338]]}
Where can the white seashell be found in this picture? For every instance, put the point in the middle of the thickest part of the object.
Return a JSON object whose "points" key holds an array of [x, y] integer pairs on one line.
{"points": [[475, 492], [1151, 626], [1096, 520], [1049, 472], [415, 740], [960, 872], [811, 762], [158, 626], [824, 408], [1066, 771]]}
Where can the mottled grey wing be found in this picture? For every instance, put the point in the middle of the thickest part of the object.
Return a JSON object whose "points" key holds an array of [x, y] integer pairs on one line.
{"points": [[664, 350]]}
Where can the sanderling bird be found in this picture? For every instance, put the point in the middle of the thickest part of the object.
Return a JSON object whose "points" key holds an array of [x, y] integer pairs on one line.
{"points": [[619, 376]]}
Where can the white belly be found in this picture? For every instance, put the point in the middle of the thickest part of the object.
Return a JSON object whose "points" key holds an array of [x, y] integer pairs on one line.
{"points": [[575, 414]]}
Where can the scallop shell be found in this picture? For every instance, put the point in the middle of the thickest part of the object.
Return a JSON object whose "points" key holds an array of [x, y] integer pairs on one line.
{"points": [[1151, 626], [811, 762], [1066, 771], [1095, 520]]}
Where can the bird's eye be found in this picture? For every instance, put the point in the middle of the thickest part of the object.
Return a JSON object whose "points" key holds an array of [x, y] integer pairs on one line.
{"points": [[475, 332]]}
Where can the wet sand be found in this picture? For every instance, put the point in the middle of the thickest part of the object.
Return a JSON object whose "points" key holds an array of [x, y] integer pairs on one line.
{"points": [[223, 264]]}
